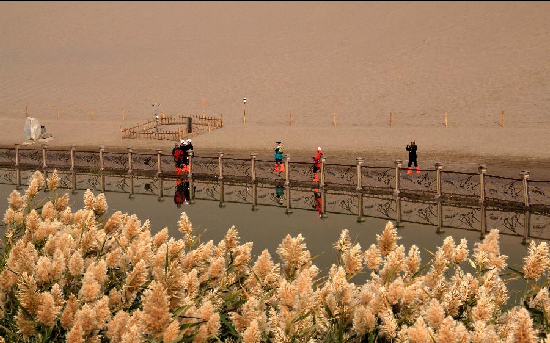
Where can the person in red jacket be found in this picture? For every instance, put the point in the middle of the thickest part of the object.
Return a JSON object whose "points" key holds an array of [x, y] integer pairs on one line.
{"points": [[317, 164]]}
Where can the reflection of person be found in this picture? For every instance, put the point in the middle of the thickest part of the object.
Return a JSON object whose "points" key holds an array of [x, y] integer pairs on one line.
{"points": [[412, 157], [318, 202], [317, 164], [279, 166], [177, 153], [279, 193], [181, 196]]}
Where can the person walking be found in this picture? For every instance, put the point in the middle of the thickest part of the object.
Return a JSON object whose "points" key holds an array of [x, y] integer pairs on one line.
{"points": [[317, 164], [185, 147], [279, 166], [412, 157]]}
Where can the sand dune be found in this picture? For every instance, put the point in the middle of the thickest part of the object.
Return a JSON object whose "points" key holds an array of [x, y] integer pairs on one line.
{"points": [[358, 60]]}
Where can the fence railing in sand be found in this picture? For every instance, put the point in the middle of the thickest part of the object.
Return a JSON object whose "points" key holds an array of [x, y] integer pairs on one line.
{"points": [[154, 128], [430, 183]]}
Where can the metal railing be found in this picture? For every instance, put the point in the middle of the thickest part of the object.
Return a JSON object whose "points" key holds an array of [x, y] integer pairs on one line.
{"points": [[434, 183]]}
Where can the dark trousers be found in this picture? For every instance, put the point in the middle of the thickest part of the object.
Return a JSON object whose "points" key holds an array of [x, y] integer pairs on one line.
{"points": [[411, 161]]}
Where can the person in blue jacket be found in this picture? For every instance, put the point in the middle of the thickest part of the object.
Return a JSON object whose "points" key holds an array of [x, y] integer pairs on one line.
{"points": [[279, 166]]}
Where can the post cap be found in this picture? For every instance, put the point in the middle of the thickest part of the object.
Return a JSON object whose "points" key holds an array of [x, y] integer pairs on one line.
{"points": [[397, 162], [102, 147], [72, 146], [438, 165], [253, 154], [220, 153], [129, 148], [17, 144], [482, 168], [525, 173], [287, 155], [359, 159], [44, 146]]}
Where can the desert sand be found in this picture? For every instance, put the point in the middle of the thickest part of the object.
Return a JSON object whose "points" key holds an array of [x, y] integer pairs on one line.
{"points": [[356, 60]]}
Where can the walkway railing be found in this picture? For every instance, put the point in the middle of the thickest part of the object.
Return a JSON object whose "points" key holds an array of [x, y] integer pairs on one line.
{"points": [[431, 183]]}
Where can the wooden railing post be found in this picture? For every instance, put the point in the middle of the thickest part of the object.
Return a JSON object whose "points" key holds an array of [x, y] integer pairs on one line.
{"points": [[526, 226], [440, 228], [131, 195], [359, 174], [287, 170], [190, 177], [397, 178], [253, 166], [222, 194], [323, 201], [101, 163], [483, 220], [482, 171], [288, 209], [73, 181], [322, 179], [160, 188], [129, 160], [360, 218], [73, 147], [525, 179], [254, 196], [190, 153], [398, 211], [159, 167], [44, 165], [438, 168], [220, 165], [17, 170], [16, 155], [17, 178]]}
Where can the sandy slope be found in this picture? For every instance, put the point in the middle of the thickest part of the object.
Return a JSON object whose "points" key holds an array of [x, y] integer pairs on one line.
{"points": [[358, 60]]}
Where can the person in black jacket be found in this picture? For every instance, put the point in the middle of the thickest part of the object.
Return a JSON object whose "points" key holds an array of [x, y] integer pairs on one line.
{"points": [[412, 157], [186, 146]]}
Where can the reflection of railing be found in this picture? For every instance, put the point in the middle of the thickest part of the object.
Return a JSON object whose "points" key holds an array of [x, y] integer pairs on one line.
{"points": [[422, 183], [441, 213]]}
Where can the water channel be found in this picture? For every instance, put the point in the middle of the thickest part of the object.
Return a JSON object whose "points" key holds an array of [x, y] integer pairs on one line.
{"points": [[319, 215]]}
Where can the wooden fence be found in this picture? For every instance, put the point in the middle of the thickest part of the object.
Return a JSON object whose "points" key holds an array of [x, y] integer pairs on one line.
{"points": [[153, 128]]}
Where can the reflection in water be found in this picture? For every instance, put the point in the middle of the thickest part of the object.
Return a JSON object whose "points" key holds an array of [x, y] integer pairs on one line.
{"points": [[266, 228], [438, 213], [181, 195], [318, 202], [279, 194]]}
